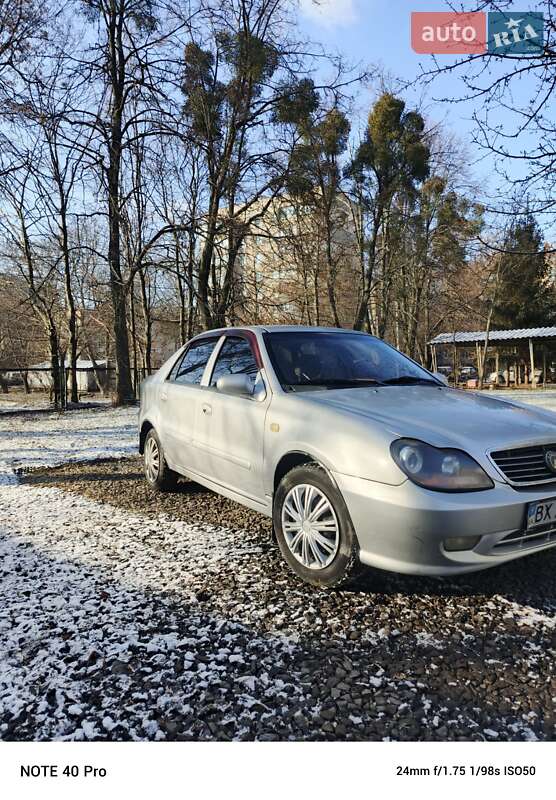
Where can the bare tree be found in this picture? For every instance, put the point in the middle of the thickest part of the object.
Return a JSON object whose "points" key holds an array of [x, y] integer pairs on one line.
{"points": [[41, 113], [21, 24], [31, 258], [121, 75], [520, 89], [241, 67]]}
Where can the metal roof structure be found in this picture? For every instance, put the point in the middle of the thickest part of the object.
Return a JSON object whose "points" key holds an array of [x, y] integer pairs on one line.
{"points": [[465, 337]]}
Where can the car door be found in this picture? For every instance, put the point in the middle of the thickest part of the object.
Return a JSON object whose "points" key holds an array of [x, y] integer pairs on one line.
{"points": [[179, 397], [230, 429]]}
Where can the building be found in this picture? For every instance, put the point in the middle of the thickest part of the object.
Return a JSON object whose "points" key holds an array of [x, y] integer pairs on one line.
{"points": [[91, 377], [293, 263]]}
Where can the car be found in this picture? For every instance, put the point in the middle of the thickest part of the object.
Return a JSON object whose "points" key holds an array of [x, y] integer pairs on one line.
{"points": [[359, 455], [467, 373]]}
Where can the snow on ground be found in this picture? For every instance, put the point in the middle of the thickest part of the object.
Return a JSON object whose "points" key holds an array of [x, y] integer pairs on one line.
{"points": [[18, 401], [82, 611], [105, 634], [23, 405], [525, 615], [58, 438], [544, 398]]}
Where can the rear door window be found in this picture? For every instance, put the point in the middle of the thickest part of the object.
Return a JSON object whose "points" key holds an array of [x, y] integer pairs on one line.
{"points": [[189, 370]]}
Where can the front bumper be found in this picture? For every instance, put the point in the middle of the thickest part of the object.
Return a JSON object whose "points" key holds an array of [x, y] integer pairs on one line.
{"points": [[403, 528]]}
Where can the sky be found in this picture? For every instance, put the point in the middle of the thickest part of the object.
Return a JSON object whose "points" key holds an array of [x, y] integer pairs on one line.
{"points": [[378, 32], [373, 32]]}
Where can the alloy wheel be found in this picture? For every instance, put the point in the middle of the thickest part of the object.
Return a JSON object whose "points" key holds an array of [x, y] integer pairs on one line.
{"points": [[152, 459], [310, 526]]}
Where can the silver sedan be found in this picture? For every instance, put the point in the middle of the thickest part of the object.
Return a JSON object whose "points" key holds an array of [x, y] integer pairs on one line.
{"points": [[359, 455]]}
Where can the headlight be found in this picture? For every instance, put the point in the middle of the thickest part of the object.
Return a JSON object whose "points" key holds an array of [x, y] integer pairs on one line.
{"points": [[442, 470]]}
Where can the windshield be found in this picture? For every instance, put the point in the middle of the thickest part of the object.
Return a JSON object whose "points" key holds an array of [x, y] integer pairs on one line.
{"points": [[339, 360]]}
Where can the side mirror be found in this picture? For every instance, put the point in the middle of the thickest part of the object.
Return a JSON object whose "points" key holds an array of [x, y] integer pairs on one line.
{"points": [[240, 385], [441, 377]]}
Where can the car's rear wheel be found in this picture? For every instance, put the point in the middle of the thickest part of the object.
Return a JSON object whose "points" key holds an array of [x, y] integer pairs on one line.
{"points": [[313, 528], [157, 472]]}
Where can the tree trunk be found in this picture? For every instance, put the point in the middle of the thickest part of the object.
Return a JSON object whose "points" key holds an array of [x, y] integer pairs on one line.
{"points": [[71, 313], [183, 312], [316, 296], [205, 268], [133, 331], [181, 289], [54, 362], [147, 320], [414, 323], [363, 308], [330, 264], [124, 387], [489, 323], [116, 68], [331, 287]]}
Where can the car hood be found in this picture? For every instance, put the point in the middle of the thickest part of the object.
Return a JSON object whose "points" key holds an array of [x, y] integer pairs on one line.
{"points": [[444, 417]]}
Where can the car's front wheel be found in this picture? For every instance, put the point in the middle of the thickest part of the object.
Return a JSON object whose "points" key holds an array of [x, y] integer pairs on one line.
{"points": [[157, 472], [313, 528]]}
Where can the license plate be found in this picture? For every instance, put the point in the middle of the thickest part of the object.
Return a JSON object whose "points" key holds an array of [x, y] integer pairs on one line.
{"points": [[541, 512]]}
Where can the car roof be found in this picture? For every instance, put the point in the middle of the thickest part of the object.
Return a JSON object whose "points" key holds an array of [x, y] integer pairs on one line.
{"points": [[301, 328], [280, 329]]}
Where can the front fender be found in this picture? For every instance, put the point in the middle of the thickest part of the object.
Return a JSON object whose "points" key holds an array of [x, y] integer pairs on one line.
{"points": [[341, 443]]}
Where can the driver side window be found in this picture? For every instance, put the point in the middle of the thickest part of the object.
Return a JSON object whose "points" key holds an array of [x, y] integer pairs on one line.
{"points": [[235, 357]]}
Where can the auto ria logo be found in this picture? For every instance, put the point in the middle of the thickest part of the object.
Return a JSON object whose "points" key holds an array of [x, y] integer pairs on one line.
{"points": [[498, 32]]}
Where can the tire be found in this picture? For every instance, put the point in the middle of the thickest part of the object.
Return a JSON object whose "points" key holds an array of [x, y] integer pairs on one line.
{"points": [[157, 473], [332, 559]]}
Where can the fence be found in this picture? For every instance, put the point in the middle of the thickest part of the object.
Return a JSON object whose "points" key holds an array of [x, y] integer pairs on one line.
{"points": [[40, 382]]}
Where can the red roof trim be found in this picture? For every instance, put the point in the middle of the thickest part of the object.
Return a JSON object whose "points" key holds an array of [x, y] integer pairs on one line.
{"points": [[240, 332], [254, 342]]}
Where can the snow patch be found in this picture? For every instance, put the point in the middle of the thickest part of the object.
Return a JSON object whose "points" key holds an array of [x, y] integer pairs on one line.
{"points": [[61, 438], [526, 615]]}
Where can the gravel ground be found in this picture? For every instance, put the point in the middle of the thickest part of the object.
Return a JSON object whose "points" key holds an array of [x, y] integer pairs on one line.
{"points": [[131, 615]]}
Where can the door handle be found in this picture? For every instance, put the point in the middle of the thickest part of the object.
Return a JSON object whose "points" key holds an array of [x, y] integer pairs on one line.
{"points": [[206, 409], [164, 396]]}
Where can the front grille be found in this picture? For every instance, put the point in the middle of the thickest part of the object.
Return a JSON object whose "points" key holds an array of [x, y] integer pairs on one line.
{"points": [[536, 537], [525, 465]]}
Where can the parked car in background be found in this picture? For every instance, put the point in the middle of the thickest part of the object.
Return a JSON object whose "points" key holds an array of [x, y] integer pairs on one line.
{"points": [[447, 373], [499, 378], [466, 374], [508, 377], [359, 455]]}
